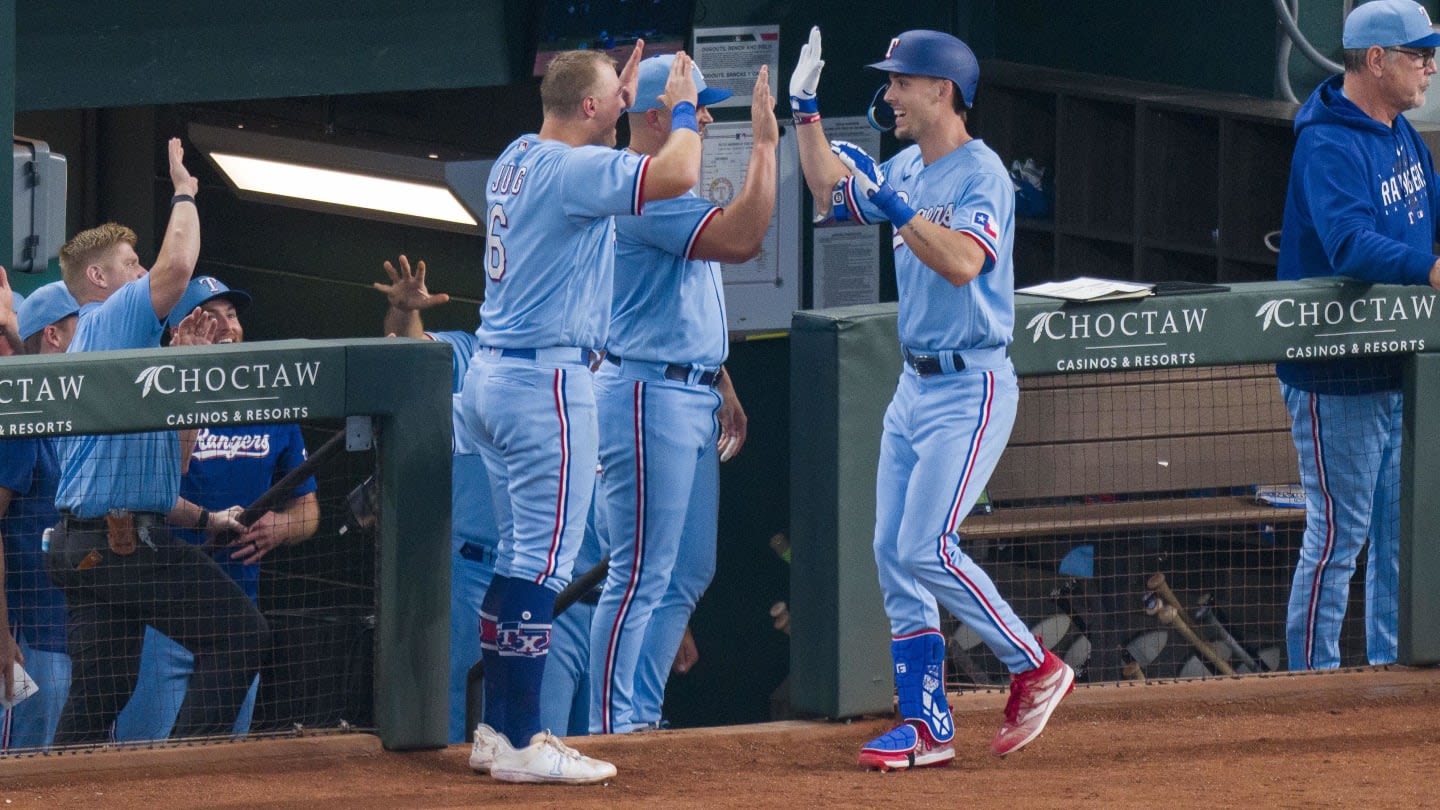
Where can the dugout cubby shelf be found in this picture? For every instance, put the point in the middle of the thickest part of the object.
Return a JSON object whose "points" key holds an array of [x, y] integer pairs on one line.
{"points": [[1151, 182]]}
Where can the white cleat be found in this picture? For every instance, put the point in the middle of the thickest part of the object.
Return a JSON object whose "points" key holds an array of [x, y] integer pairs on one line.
{"points": [[488, 744], [548, 760]]}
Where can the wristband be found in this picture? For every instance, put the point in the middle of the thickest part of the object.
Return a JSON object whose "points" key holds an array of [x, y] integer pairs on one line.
{"points": [[179, 198], [682, 116], [204, 520], [895, 209], [807, 118]]}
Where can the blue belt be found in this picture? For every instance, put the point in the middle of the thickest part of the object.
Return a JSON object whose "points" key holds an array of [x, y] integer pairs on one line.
{"points": [[554, 354], [671, 371]]}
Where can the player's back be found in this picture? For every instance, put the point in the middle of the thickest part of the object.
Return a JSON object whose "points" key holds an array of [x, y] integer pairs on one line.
{"points": [[549, 251]]}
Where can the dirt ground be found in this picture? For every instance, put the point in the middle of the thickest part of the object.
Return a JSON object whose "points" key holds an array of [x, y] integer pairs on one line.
{"points": [[1347, 739]]}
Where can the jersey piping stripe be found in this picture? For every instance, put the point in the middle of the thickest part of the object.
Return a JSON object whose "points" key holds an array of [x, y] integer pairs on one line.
{"points": [[1328, 550], [637, 202], [617, 628], [984, 245], [952, 524], [562, 495], [695, 234], [852, 202]]}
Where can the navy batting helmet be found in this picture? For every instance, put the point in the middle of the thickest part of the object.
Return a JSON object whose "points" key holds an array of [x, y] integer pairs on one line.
{"points": [[931, 53]]}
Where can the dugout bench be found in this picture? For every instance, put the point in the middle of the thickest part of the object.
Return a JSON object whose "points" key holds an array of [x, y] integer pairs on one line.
{"points": [[844, 362]]}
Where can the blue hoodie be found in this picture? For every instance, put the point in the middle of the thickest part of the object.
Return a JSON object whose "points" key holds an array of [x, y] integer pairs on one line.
{"points": [[1361, 203]]}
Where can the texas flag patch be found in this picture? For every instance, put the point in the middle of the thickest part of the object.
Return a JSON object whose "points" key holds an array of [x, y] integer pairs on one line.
{"points": [[983, 220]]}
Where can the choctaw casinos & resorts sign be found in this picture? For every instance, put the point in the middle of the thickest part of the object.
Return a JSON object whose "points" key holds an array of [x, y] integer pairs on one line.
{"points": [[105, 392], [1252, 323]]}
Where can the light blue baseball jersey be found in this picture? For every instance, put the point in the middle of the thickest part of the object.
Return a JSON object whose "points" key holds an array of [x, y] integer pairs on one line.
{"points": [[969, 191], [550, 242], [669, 306], [134, 471]]}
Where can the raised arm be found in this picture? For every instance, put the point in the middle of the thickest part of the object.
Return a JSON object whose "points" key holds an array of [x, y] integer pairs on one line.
{"points": [[675, 169], [735, 235], [180, 249], [407, 296], [822, 170]]}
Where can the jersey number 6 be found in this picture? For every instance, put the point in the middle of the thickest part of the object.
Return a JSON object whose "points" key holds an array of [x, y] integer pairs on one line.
{"points": [[494, 247]]}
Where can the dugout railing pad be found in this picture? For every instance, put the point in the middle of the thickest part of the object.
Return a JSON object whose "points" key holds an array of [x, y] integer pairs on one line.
{"points": [[400, 387]]}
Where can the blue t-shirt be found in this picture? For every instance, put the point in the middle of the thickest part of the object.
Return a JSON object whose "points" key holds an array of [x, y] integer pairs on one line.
{"points": [[134, 471], [235, 465], [550, 242], [669, 307], [967, 190], [30, 470]]}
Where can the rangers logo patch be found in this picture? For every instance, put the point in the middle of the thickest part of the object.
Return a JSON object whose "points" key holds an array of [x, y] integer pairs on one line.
{"points": [[522, 639], [983, 220]]}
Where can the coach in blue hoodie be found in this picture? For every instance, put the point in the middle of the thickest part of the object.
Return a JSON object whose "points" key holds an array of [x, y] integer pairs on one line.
{"points": [[1362, 203]]}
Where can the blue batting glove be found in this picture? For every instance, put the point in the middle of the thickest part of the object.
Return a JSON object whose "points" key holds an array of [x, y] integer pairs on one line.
{"points": [[871, 181]]}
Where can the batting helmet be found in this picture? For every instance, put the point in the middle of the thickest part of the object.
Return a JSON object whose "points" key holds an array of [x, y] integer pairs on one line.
{"points": [[931, 53]]}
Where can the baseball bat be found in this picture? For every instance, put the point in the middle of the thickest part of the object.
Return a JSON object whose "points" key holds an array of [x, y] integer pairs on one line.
{"points": [[1158, 584], [1156, 606], [475, 677], [1209, 614], [281, 490]]}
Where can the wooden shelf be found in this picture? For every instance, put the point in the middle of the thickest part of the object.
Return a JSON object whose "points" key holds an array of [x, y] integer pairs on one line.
{"points": [[1152, 182]]}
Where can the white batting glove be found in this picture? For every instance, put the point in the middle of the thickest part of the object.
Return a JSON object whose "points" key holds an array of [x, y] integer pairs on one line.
{"points": [[805, 80], [870, 179]]}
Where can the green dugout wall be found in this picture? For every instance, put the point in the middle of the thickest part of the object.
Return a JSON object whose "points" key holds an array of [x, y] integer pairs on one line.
{"points": [[401, 388], [844, 362]]}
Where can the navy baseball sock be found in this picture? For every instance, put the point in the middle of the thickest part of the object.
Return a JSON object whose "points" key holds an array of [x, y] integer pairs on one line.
{"points": [[522, 642]]}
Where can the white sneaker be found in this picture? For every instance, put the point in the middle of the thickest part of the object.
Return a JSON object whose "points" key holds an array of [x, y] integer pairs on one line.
{"points": [[488, 743], [546, 759]]}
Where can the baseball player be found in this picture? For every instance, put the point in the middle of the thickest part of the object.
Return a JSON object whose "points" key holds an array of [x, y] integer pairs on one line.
{"points": [[550, 201], [474, 538], [666, 406], [230, 467], [1362, 202], [950, 202], [32, 611]]}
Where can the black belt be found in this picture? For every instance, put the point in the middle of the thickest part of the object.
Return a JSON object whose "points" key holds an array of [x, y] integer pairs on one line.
{"points": [[928, 365], [79, 524], [474, 552], [678, 373]]}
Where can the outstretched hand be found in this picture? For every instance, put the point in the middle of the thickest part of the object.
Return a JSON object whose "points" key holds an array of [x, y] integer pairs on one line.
{"points": [[805, 80], [870, 179], [199, 328], [407, 291], [180, 176], [762, 111]]}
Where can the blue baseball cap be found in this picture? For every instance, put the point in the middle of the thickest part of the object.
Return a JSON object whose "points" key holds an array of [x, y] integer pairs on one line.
{"points": [[202, 289], [653, 74], [1388, 23], [46, 305]]}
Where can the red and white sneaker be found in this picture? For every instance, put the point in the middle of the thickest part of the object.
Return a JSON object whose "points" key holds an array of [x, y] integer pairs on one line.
{"points": [[1033, 698], [908, 745]]}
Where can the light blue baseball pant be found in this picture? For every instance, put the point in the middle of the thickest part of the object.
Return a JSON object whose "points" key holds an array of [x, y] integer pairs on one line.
{"points": [[694, 569], [468, 581], [534, 419], [565, 689], [32, 723], [536, 429], [165, 668], [943, 437], [1349, 453], [655, 435]]}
